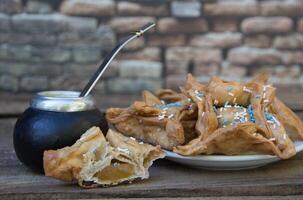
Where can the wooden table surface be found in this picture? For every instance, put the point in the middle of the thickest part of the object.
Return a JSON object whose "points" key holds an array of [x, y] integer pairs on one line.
{"points": [[281, 180], [168, 179]]}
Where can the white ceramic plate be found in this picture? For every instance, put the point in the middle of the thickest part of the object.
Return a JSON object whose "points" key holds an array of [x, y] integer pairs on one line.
{"points": [[221, 162]]}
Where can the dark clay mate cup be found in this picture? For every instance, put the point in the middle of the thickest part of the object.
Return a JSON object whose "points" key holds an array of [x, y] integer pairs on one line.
{"points": [[55, 119]]}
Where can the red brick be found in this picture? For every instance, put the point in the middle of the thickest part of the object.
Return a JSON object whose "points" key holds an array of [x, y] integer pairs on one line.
{"points": [[267, 25], [222, 25], [220, 40], [91, 7], [231, 8], [166, 40], [230, 70], [150, 53], [10, 6], [127, 24], [177, 67], [133, 8], [293, 41], [258, 41], [51, 23], [173, 25], [206, 69], [282, 8], [135, 44], [139, 68], [292, 57], [252, 56], [194, 54]]}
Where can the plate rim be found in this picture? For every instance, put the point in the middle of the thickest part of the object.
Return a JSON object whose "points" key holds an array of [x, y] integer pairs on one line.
{"points": [[235, 158]]}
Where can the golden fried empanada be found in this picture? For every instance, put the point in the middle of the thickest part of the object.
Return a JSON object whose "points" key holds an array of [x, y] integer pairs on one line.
{"points": [[209, 116], [154, 121], [206, 121], [96, 161], [169, 95], [255, 106], [292, 123], [244, 138]]}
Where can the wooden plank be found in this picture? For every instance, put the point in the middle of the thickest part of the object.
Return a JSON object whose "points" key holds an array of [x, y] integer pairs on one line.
{"points": [[168, 179]]}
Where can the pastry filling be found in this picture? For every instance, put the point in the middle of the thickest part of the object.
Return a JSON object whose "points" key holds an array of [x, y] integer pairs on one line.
{"points": [[116, 172]]}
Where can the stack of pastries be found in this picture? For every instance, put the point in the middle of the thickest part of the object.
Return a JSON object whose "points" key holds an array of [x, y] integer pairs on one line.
{"points": [[220, 117]]}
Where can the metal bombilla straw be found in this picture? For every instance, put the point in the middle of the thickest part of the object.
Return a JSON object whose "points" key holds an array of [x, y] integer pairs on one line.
{"points": [[108, 59]]}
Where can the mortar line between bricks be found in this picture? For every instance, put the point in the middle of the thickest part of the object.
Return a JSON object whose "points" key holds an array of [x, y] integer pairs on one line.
{"points": [[164, 67]]}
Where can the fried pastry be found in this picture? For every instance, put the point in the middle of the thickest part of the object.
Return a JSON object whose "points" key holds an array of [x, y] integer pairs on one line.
{"points": [[98, 161], [220, 117], [155, 121], [245, 138], [253, 106]]}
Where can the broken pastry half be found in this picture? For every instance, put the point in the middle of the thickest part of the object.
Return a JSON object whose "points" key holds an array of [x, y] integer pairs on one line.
{"points": [[98, 161]]}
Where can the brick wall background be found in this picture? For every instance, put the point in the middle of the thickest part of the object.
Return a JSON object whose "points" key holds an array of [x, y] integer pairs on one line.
{"points": [[56, 44]]}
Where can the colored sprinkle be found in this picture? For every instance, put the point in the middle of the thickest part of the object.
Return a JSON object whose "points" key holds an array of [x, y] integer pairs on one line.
{"points": [[199, 93], [264, 95], [251, 114], [245, 89], [224, 121], [171, 116], [230, 88], [271, 118], [161, 117], [123, 150], [170, 105], [231, 94]]}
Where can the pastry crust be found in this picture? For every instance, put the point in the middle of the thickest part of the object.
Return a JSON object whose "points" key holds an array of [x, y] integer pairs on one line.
{"points": [[98, 161], [249, 113], [244, 138], [155, 122]]}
